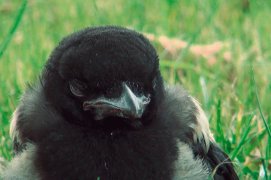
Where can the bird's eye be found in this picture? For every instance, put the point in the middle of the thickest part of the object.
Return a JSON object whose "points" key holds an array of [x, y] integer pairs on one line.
{"points": [[77, 87]]}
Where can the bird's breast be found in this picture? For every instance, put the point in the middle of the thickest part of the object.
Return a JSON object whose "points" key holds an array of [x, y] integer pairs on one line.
{"points": [[130, 155]]}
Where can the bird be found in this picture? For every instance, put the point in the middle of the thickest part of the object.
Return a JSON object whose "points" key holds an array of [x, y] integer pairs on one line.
{"points": [[101, 110]]}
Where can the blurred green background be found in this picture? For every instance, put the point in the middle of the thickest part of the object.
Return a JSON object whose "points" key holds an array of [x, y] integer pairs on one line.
{"points": [[219, 50]]}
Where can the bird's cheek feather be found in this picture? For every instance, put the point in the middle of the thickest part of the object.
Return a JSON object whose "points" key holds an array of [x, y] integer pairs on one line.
{"points": [[128, 105]]}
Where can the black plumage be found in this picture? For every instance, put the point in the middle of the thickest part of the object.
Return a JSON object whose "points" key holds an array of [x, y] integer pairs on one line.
{"points": [[102, 111]]}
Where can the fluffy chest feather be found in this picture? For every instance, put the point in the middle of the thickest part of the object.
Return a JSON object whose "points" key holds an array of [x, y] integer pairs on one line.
{"points": [[126, 155]]}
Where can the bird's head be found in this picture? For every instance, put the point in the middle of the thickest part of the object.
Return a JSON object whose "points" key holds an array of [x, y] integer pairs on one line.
{"points": [[104, 74]]}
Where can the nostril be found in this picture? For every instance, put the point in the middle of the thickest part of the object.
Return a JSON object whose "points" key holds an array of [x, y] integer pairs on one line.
{"points": [[146, 100], [86, 106]]}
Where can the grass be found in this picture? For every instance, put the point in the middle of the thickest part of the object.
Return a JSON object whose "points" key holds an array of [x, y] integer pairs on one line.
{"points": [[236, 99]]}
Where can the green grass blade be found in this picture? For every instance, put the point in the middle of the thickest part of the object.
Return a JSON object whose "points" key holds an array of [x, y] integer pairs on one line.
{"points": [[259, 104], [264, 168], [243, 139], [219, 124], [13, 28]]}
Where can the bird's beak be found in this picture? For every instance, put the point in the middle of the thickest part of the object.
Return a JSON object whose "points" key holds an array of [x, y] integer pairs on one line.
{"points": [[128, 105]]}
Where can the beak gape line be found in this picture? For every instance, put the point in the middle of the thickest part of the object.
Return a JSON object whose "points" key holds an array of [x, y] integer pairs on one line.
{"points": [[128, 105]]}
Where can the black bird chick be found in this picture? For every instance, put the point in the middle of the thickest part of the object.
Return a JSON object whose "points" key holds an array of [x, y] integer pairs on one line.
{"points": [[101, 111]]}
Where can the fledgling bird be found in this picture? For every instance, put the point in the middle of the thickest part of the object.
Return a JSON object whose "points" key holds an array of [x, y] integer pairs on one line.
{"points": [[102, 111]]}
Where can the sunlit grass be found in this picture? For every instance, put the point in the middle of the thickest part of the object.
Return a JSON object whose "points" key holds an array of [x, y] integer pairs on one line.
{"points": [[236, 100]]}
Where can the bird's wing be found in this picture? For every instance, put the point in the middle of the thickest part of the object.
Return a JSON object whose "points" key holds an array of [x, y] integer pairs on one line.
{"points": [[24, 119], [32, 119], [187, 117], [31, 122], [220, 163], [199, 137]]}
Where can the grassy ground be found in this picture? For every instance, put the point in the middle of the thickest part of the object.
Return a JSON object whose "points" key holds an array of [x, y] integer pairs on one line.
{"points": [[225, 62]]}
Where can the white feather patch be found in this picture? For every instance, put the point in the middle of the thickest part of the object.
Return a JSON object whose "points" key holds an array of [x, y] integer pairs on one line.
{"points": [[189, 167], [22, 167], [202, 130]]}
